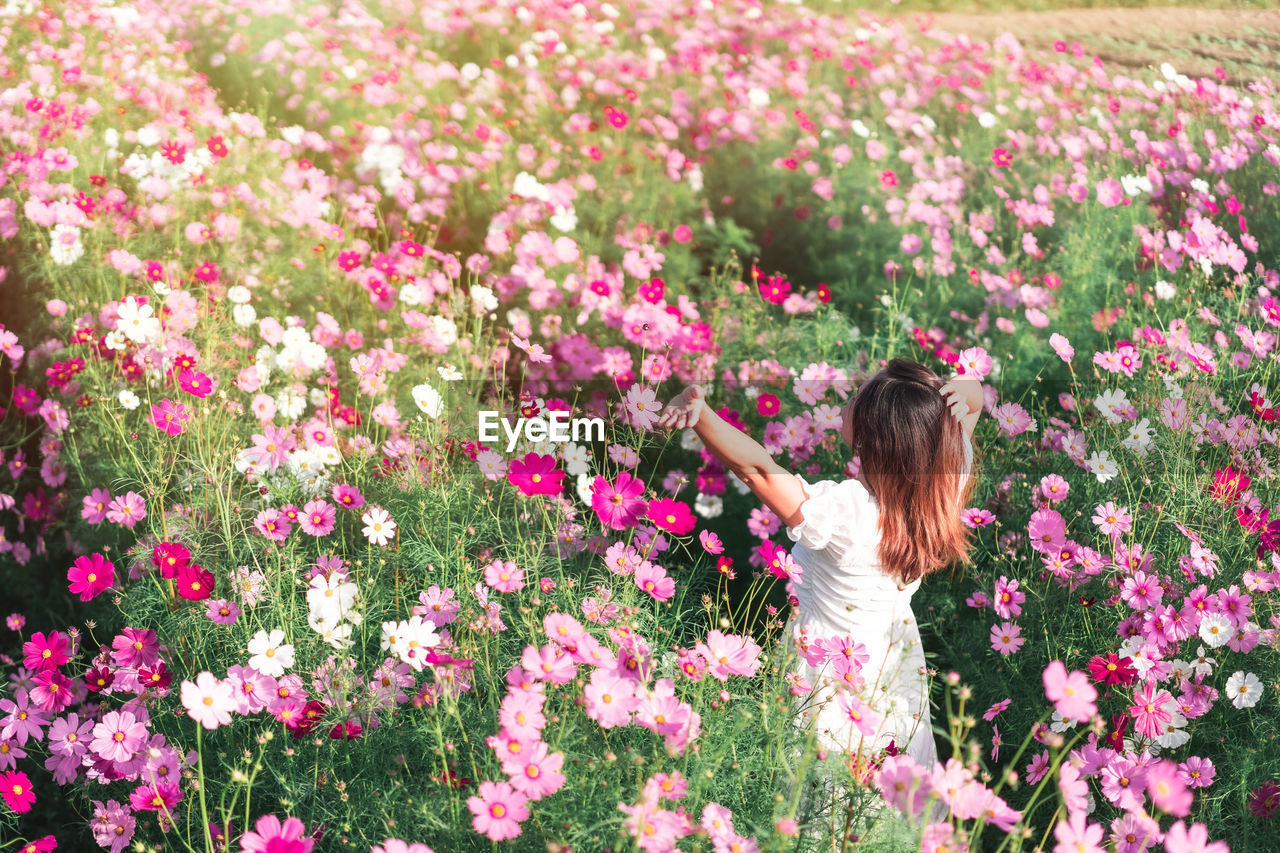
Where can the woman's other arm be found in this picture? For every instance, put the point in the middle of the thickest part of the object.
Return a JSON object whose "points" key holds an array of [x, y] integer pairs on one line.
{"points": [[777, 488]]}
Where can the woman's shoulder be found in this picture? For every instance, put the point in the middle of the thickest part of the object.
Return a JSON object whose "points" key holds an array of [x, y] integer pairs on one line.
{"points": [[832, 512]]}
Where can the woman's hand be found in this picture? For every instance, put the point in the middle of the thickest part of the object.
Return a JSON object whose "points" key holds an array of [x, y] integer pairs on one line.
{"points": [[955, 397], [683, 411]]}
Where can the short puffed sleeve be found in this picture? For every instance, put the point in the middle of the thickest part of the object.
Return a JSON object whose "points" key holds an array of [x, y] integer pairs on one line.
{"points": [[830, 514]]}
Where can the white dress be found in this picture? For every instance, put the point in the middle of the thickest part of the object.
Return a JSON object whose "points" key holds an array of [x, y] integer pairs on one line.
{"points": [[843, 591]]}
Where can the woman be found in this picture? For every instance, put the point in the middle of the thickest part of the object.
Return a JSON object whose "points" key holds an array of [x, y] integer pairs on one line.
{"points": [[864, 545]]}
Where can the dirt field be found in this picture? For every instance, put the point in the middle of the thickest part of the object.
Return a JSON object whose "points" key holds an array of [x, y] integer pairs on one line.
{"points": [[1246, 44]]}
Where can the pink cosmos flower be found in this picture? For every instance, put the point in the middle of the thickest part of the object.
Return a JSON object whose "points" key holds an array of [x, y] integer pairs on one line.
{"points": [[1197, 772], [1061, 346], [94, 510], [535, 772], [91, 575], [272, 524], [170, 558], [654, 580], [195, 583], [1179, 839], [318, 518], [1046, 531], [497, 811], [858, 713], [504, 576], [536, 474], [729, 654], [21, 721], [976, 518], [1148, 711], [1054, 487], [269, 835], [169, 416], [1168, 790], [610, 699], [395, 845], [1112, 520], [1008, 598], [52, 691], [1110, 192], [222, 611], [618, 504], [1078, 835], [521, 713], [159, 797], [1072, 694], [992, 712], [208, 700], [119, 736], [136, 648], [1006, 638], [548, 663], [128, 509], [973, 361], [711, 542]]}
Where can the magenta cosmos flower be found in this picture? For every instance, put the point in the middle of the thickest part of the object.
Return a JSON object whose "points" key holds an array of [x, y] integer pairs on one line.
{"points": [[671, 516], [536, 474], [16, 788], [618, 504], [41, 652], [195, 383], [345, 495], [169, 416], [269, 835], [90, 576], [498, 810]]}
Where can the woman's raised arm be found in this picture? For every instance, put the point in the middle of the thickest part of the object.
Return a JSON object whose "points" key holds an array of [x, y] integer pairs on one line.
{"points": [[778, 488]]}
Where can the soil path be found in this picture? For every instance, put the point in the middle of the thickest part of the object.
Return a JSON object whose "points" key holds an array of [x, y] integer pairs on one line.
{"points": [[1244, 43]]}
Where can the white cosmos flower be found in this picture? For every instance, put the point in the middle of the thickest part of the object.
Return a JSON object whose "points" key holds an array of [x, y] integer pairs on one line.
{"points": [[128, 399], [378, 526], [271, 655], [449, 373], [709, 506], [1102, 466], [1216, 630], [135, 321], [576, 459], [1203, 665], [1139, 438], [1244, 689], [428, 400]]}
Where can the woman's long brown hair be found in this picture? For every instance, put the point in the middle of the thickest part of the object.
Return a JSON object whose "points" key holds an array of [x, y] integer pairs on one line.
{"points": [[912, 454]]}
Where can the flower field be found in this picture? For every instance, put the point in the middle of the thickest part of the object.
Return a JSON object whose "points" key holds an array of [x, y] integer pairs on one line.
{"points": [[271, 586]]}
